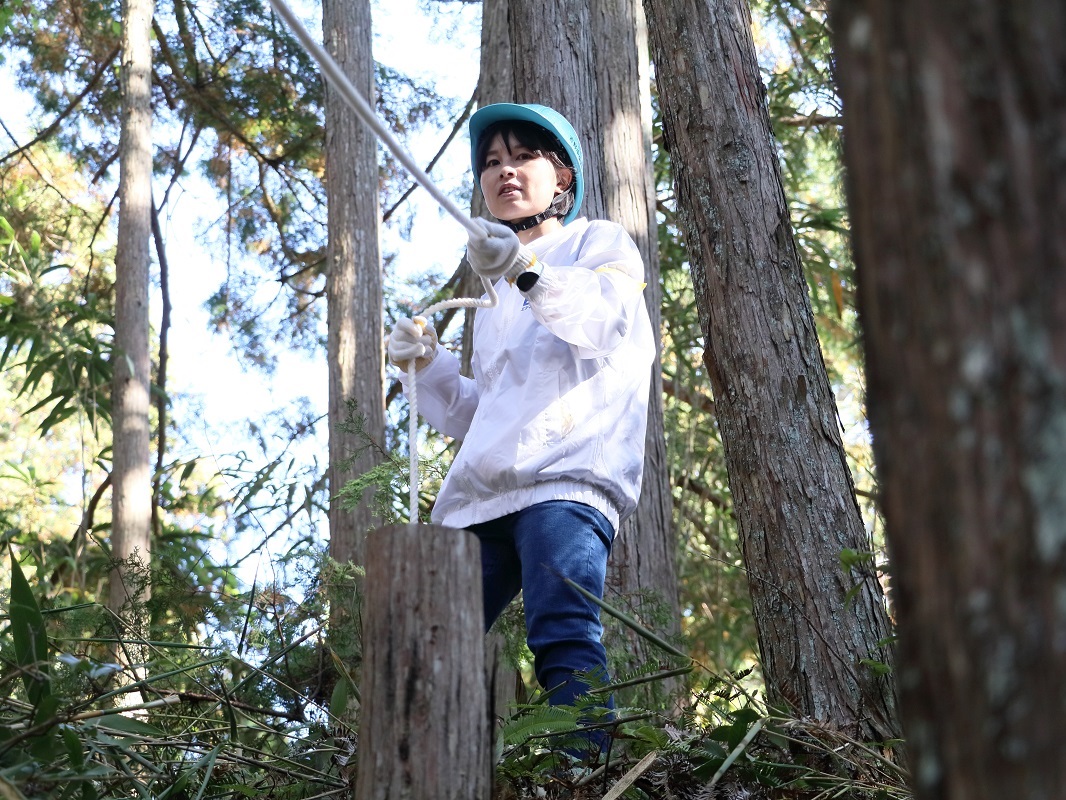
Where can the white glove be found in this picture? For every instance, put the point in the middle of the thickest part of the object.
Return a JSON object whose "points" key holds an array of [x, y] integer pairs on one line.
{"points": [[412, 339], [499, 254]]}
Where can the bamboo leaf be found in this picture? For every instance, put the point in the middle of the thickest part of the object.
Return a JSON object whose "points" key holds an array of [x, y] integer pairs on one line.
{"points": [[338, 701], [207, 763], [12, 345], [59, 412], [120, 724], [30, 638], [74, 749]]}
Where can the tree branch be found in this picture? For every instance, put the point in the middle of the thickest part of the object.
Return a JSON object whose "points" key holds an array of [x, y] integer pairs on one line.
{"points": [[66, 112], [433, 161], [810, 120], [161, 373]]}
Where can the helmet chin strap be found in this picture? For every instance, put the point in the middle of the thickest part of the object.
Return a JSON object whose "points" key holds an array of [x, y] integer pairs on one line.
{"points": [[525, 224], [554, 210]]}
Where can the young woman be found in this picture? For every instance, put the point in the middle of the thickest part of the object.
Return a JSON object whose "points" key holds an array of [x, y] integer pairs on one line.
{"points": [[553, 421]]}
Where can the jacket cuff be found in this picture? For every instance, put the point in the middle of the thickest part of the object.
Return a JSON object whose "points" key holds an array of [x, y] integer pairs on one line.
{"points": [[544, 282]]}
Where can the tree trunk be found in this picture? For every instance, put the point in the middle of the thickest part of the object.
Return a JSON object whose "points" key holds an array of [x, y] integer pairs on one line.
{"points": [[595, 73], [354, 294], [643, 571], [792, 490], [955, 129], [131, 481], [424, 727], [494, 85]]}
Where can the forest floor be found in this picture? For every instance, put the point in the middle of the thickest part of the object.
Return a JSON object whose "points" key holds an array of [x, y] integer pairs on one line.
{"points": [[801, 762]]}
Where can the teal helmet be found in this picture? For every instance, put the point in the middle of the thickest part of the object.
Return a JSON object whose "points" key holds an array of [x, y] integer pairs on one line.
{"points": [[549, 119]]}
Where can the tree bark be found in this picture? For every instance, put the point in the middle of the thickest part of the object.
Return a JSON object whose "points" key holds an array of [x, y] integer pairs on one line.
{"points": [[353, 283], [424, 727], [792, 490], [954, 123], [495, 85], [131, 482], [643, 572], [592, 67]]}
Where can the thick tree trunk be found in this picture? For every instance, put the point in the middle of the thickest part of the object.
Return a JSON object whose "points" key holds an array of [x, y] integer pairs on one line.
{"points": [[354, 294], [792, 490], [553, 62], [643, 572], [131, 481], [593, 68], [955, 124], [424, 727], [494, 86]]}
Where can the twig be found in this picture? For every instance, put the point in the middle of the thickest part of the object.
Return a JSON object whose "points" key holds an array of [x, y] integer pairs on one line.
{"points": [[630, 777], [194, 697], [63, 719], [161, 372], [433, 161]]}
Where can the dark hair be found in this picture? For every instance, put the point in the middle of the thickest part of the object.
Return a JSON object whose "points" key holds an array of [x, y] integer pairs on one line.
{"points": [[529, 135], [540, 141]]}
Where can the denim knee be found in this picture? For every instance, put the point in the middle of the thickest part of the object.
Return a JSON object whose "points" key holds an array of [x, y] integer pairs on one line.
{"points": [[557, 542]]}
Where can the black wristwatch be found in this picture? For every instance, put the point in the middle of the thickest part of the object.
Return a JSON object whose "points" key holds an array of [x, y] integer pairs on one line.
{"points": [[527, 280]]}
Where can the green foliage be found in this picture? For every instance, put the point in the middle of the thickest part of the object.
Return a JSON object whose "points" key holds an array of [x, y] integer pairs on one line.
{"points": [[28, 635], [193, 717], [734, 749], [389, 480], [235, 96], [53, 318], [725, 738], [385, 480]]}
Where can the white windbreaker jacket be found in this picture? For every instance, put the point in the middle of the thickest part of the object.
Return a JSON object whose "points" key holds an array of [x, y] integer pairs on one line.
{"points": [[558, 406]]}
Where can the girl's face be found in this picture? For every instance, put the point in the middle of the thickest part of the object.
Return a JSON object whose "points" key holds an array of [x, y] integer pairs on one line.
{"points": [[517, 182]]}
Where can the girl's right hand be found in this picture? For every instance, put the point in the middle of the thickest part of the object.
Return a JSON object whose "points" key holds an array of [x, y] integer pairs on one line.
{"points": [[412, 339]]}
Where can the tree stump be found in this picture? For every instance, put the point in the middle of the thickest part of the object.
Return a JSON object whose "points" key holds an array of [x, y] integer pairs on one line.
{"points": [[424, 730]]}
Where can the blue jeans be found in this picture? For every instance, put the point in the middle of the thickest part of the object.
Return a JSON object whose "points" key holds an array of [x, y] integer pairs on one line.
{"points": [[534, 550]]}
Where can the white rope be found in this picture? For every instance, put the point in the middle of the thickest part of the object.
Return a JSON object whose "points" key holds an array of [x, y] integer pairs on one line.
{"points": [[357, 103], [489, 301]]}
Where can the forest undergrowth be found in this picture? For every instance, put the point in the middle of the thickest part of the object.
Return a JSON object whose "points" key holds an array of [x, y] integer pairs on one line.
{"points": [[269, 708]]}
